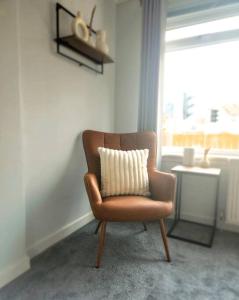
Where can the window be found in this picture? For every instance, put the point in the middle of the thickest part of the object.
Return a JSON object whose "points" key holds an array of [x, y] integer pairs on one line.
{"points": [[201, 94], [222, 25]]}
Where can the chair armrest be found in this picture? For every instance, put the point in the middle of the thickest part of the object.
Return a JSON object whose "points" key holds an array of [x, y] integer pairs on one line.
{"points": [[93, 191], [162, 186]]}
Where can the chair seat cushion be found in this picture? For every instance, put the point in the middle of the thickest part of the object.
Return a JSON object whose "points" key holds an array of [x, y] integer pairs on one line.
{"points": [[133, 208]]}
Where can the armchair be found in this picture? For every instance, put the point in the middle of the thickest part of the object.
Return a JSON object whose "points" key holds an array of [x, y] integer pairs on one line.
{"points": [[131, 207]]}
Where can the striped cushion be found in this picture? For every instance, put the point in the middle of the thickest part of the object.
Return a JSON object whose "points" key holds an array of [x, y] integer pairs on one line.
{"points": [[124, 172]]}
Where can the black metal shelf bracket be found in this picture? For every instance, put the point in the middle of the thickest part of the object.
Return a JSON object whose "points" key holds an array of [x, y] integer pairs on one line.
{"points": [[59, 45]]}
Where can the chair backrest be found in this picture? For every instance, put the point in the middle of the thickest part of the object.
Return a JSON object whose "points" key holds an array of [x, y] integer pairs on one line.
{"points": [[119, 141]]}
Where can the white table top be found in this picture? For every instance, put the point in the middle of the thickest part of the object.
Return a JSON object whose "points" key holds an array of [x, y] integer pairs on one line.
{"points": [[196, 170]]}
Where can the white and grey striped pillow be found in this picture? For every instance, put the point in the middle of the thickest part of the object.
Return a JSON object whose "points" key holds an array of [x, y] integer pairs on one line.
{"points": [[124, 172]]}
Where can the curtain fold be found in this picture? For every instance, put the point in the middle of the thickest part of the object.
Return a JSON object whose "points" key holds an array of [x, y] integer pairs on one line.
{"points": [[152, 57]]}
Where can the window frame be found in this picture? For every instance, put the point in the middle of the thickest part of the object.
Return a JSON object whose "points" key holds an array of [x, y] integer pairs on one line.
{"points": [[202, 16], [201, 41]]}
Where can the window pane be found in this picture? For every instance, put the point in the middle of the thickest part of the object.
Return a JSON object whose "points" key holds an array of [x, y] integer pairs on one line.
{"points": [[201, 104], [222, 25]]}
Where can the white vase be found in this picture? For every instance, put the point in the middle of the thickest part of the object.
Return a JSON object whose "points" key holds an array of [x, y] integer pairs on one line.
{"points": [[188, 157], [205, 163], [101, 41], [79, 28], [91, 41]]}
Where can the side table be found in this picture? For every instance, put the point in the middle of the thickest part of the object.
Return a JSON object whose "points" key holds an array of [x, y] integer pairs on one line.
{"points": [[194, 171]]}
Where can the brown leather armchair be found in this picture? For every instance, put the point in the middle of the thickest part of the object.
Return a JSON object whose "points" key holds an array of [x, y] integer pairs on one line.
{"points": [[127, 208]]}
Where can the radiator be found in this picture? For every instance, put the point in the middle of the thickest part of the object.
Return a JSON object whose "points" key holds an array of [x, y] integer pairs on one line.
{"points": [[232, 205]]}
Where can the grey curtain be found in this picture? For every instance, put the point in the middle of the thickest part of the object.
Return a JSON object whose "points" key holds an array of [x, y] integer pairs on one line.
{"points": [[152, 56]]}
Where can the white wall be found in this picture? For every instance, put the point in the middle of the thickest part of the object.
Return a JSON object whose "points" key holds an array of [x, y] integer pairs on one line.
{"points": [[60, 101], [128, 45], [46, 103], [13, 258]]}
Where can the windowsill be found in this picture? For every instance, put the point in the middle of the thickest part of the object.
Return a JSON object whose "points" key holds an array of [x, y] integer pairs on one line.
{"points": [[177, 152]]}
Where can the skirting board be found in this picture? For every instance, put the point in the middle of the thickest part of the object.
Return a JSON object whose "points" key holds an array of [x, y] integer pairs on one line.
{"points": [[12, 272], [59, 235], [195, 218], [208, 221], [230, 227]]}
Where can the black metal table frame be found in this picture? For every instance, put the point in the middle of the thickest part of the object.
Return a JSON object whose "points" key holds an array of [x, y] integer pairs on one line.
{"points": [[177, 217]]}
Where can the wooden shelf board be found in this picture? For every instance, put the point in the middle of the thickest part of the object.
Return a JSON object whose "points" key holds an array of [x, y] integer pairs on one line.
{"points": [[81, 47]]}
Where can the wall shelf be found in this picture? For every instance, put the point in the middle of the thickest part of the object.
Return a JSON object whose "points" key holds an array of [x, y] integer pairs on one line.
{"points": [[80, 47]]}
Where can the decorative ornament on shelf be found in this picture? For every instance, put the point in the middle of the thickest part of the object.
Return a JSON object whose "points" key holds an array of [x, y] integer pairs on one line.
{"points": [[101, 41], [79, 28], [90, 38], [205, 163]]}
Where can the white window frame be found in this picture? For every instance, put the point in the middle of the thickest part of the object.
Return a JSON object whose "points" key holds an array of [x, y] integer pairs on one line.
{"points": [[203, 16], [199, 41]]}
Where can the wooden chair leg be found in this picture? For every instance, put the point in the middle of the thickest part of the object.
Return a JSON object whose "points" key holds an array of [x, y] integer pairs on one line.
{"points": [[97, 228], [145, 227], [165, 240], [101, 243]]}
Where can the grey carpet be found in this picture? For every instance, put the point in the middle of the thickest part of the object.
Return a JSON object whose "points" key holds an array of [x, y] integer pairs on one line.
{"points": [[133, 268]]}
